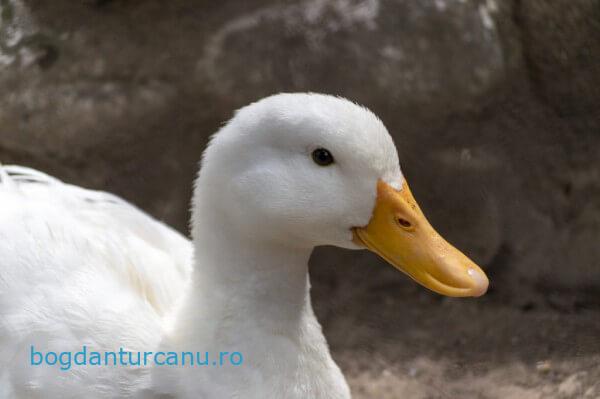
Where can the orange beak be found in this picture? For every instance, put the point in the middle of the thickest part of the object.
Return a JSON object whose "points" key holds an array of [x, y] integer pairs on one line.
{"points": [[399, 233]]}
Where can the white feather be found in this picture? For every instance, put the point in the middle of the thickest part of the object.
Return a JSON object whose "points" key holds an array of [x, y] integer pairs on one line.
{"points": [[81, 267]]}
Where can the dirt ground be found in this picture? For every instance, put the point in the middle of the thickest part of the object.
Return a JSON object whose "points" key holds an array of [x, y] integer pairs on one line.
{"points": [[393, 339]]}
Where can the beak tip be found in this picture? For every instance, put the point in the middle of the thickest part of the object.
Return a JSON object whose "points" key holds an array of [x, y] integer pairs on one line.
{"points": [[480, 282]]}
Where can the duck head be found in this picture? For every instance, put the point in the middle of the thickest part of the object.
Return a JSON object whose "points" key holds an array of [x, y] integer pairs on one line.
{"points": [[304, 170]]}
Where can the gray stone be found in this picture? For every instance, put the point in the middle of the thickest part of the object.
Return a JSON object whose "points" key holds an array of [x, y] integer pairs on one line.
{"points": [[493, 106], [561, 47]]}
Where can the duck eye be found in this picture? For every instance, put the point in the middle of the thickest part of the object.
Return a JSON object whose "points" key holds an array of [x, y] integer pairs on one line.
{"points": [[322, 157]]}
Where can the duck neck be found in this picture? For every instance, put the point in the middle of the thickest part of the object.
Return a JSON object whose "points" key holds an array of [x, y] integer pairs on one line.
{"points": [[249, 280], [243, 288], [252, 296]]}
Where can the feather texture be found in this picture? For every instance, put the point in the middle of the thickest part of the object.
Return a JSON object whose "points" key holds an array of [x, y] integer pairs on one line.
{"points": [[80, 267]]}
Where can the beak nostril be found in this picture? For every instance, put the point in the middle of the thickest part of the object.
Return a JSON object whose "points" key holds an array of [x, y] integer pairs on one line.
{"points": [[404, 223]]}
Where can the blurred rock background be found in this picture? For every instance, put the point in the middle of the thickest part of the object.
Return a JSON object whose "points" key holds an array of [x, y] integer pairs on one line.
{"points": [[494, 106]]}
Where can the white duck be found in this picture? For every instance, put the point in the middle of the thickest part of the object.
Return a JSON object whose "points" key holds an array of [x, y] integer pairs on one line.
{"points": [[286, 174]]}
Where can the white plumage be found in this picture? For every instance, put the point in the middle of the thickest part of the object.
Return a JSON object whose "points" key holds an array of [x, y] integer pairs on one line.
{"points": [[81, 267]]}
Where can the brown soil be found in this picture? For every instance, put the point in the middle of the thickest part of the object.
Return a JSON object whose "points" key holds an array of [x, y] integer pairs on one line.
{"points": [[394, 339]]}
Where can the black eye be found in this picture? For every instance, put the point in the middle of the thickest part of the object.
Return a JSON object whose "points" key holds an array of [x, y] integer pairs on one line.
{"points": [[322, 157]]}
